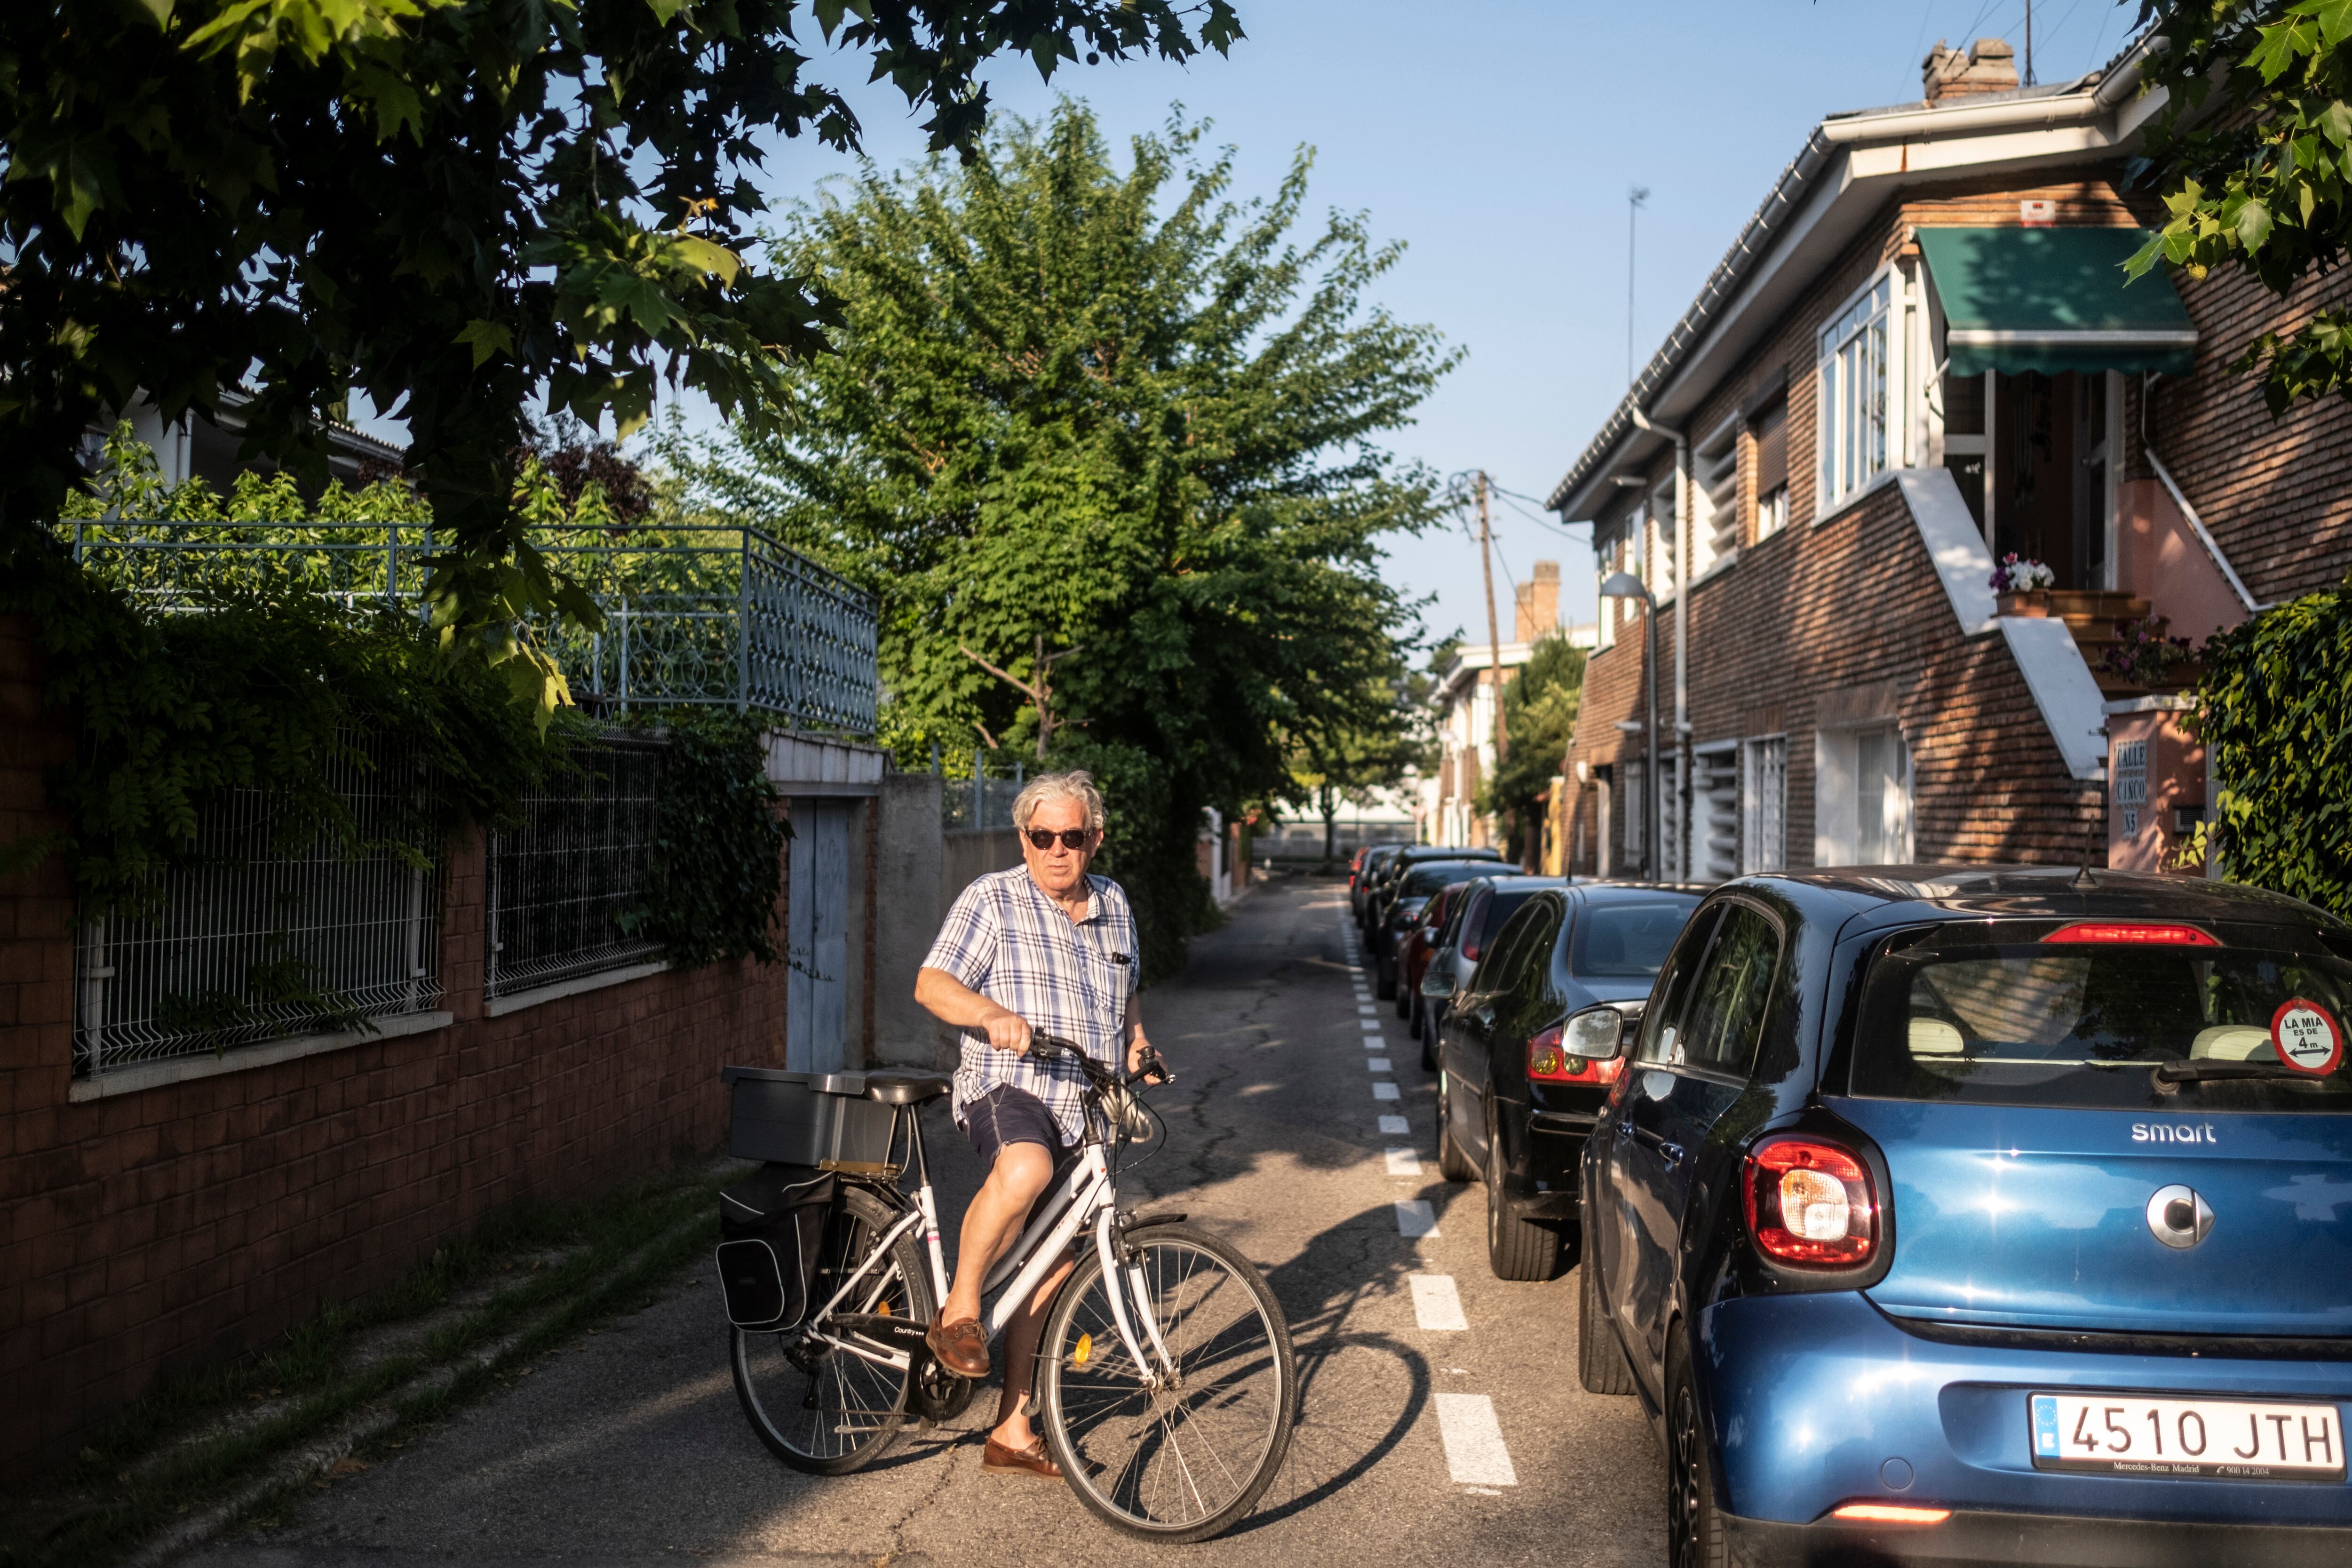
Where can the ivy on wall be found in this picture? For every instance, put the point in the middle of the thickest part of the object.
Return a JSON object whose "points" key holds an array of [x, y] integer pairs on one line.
{"points": [[2276, 712], [719, 848]]}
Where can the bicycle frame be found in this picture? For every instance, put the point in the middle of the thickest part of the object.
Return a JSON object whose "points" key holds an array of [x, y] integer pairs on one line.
{"points": [[1088, 1193]]}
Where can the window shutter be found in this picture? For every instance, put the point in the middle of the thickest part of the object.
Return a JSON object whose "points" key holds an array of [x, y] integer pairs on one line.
{"points": [[1772, 448]]}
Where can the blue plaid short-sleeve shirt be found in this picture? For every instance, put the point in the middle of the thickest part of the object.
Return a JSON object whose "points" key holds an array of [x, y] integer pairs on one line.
{"points": [[1006, 940]]}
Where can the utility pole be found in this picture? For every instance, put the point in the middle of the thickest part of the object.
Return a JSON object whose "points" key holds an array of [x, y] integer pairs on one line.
{"points": [[1634, 196], [1493, 629]]}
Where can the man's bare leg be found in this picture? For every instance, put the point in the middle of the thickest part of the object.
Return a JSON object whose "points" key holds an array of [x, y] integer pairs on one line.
{"points": [[992, 1223], [1011, 1427]]}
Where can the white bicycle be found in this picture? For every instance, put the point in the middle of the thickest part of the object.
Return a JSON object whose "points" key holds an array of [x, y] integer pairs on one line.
{"points": [[1165, 1384]]}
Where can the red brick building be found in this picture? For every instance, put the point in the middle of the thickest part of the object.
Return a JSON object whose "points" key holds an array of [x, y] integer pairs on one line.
{"points": [[1920, 357]]}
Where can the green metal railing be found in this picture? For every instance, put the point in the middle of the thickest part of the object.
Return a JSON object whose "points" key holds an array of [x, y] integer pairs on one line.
{"points": [[706, 613]]}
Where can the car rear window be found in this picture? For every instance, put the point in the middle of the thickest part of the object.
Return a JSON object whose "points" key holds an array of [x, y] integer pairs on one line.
{"points": [[2087, 1025], [1499, 909], [1626, 941], [1432, 877]]}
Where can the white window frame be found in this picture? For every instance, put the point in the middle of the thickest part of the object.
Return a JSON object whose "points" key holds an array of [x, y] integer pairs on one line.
{"points": [[1837, 794], [1763, 811], [1851, 457]]}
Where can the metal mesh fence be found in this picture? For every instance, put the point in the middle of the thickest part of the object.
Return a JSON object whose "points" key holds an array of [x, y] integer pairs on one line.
{"points": [[564, 884], [259, 939], [978, 803]]}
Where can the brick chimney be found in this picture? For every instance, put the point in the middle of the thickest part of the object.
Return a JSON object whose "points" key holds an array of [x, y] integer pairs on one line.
{"points": [[1537, 613], [1989, 66]]}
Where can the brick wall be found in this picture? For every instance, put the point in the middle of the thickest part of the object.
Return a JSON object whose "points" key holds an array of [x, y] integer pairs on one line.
{"points": [[2275, 494], [155, 1230]]}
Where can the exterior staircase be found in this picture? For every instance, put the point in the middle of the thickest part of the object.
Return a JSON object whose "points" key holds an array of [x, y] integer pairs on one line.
{"points": [[2095, 619]]}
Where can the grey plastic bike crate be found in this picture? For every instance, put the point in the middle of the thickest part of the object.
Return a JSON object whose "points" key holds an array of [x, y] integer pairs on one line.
{"points": [[807, 1118]]}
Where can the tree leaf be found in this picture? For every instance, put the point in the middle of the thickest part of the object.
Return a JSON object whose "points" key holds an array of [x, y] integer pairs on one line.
{"points": [[486, 338]]}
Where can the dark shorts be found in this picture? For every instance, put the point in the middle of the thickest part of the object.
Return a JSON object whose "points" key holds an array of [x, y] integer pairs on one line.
{"points": [[1009, 1115]]}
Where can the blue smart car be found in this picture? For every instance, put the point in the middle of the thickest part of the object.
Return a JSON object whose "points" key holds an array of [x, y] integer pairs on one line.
{"points": [[1986, 1216]]}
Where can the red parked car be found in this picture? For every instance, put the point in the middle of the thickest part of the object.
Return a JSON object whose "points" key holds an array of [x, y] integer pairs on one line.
{"points": [[1415, 951]]}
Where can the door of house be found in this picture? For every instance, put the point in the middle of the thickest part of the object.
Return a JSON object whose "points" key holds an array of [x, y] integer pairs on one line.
{"points": [[2050, 474], [818, 937]]}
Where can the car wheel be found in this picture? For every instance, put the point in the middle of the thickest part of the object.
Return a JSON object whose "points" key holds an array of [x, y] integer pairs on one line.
{"points": [[1452, 1163], [1404, 995], [1601, 1364], [1517, 1248], [1383, 978], [1694, 1526], [1428, 1032]]}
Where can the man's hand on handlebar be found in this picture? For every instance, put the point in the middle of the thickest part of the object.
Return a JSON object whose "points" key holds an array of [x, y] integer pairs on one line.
{"points": [[1009, 1031]]}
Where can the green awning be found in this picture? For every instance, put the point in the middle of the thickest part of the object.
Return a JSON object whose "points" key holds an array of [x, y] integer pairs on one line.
{"points": [[2054, 299]]}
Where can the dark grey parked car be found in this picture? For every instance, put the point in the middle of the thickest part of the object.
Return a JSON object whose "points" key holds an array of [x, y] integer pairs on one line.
{"points": [[1477, 917]]}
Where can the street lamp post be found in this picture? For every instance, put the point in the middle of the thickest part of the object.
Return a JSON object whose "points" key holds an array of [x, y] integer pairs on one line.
{"points": [[1625, 585]]}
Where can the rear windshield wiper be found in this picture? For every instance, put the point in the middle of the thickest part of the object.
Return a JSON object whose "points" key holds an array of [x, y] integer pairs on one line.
{"points": [[2170, 1075]]}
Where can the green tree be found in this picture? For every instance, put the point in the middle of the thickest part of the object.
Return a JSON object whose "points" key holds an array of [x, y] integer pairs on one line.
{"points": [[1369, 737], [1102, 441], [2256, 150], [1539, 704], [457, 206]]}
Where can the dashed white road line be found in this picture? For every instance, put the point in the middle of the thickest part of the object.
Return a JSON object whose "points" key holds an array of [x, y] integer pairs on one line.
{"points": [[1372, 1025], [1378, 1064], [1415, 1217], [1474, 1454], [1384, 1089], [1366, 1009], [1437, 1305], [1396, 1126], [1403, 1162]]}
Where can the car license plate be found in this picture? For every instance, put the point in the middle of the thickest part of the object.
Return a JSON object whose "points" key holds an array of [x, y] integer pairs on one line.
{"points": [[2114, 1433]]}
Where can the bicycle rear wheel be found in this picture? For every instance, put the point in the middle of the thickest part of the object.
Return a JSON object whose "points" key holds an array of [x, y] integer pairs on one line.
{"points": [[820, 1409], [1182, 1461]]}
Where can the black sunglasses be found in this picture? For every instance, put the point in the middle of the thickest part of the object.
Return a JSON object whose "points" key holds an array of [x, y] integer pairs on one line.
{"points": [[1071, 838]]}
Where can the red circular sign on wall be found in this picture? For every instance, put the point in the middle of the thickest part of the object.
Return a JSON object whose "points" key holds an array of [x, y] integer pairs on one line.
{"points": [[2306, 1037]]}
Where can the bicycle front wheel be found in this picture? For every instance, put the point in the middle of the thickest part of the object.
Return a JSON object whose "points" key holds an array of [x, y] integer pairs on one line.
{"points": [[1170, 1458], [820, 1409]]}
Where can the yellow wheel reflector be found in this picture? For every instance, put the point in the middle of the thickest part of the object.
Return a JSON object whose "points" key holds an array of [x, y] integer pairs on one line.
{"points": [[883, 1310], [1085, 1348]]}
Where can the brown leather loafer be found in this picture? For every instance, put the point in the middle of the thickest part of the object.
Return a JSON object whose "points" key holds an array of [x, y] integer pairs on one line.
{"points": [[1032, 1459], [961, 1346]]}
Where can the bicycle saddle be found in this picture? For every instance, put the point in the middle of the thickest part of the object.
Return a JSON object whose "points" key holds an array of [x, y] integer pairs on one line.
{"points": [[906, 1088]]}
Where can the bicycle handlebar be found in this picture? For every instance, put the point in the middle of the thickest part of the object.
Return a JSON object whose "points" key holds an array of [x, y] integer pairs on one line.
{"points": [[1048, 1047]]}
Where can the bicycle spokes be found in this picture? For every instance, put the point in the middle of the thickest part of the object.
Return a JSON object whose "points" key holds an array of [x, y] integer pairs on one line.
{"points": [[1187, 1443]]}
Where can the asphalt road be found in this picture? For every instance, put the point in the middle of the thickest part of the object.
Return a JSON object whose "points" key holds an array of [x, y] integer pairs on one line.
{"points": [[1416, 1444]]}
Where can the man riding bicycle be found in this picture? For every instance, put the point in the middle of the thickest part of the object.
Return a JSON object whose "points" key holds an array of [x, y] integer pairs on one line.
{"points": [[1044, 948]]}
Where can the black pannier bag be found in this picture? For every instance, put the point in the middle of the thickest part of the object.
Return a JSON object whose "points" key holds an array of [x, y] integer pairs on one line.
{"points": [[771, 1232]]}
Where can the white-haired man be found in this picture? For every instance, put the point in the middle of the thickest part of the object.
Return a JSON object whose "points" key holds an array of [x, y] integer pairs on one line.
{"points": [[1044, 948]]}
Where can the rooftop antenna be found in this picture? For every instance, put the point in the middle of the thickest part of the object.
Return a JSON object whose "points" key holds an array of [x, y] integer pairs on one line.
{"points": [[1635, 197]]}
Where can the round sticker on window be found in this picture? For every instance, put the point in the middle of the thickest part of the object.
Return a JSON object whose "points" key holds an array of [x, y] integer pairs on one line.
{"points": [[2307, 1035]]}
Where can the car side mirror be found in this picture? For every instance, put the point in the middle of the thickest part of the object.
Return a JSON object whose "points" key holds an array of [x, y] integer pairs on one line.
{"points": [[1597, 1033]]}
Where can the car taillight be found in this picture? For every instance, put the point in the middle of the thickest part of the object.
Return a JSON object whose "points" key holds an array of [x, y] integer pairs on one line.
{"points": [[1891, 1513], [1549, 1063], [2134, 933], [1811, 1202]]}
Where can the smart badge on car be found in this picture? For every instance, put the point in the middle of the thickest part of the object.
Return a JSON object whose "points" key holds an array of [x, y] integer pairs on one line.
{"points": [[2113, 1434]]}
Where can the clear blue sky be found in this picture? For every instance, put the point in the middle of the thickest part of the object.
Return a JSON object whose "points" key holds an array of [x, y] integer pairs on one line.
{"points": [[1497, 140]]}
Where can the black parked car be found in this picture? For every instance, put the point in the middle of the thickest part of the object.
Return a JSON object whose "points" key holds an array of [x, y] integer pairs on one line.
{"points": [[1367, 873], [1384, 880], [1527, 1055], [1419, 881], [1472, 923]]}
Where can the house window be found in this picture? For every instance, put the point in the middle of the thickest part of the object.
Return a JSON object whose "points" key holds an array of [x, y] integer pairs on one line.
{"points": [[1855, 350], [1769, 433], [1763, 805], [1862, 796]]}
